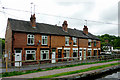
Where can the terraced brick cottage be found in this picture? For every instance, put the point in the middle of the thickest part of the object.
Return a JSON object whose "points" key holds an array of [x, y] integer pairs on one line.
{"points": [[28, 40]]}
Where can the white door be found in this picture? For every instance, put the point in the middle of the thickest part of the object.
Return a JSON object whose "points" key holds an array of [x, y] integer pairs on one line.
{"points": [[84, 54], [18, 57], [80, 54], [53, 57]]}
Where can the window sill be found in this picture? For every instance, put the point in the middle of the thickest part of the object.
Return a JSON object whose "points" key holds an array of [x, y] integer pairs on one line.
{"points": [[44, 45], [74, 45], [67, 45], [30, 44], [89, 46], [66, 57], [44, 59]]}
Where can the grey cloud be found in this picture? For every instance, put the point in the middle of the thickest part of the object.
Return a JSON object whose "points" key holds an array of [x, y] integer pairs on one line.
{"points": [[75, 2], [110, 14]]}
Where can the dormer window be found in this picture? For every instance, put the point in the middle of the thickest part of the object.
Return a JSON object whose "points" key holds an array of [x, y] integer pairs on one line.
{"points": [[30, 39], [74, 41]]}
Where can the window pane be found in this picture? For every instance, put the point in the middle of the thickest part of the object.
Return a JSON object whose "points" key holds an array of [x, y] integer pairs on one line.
{"points": [[75, 53], [47, 57], [28, 35], [66, 40], [94, 43], [64, 54], [33, 52], [28, 51], [44, 56], [67, 55], [44, 40], [89, 52], [30, 56], [28, 40], [18, 51]]}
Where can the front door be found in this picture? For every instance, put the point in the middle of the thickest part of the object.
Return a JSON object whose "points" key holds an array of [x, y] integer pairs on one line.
{"points": [[80, 53], [18, 58], [84, 54], [53, 57], [59, 54]]}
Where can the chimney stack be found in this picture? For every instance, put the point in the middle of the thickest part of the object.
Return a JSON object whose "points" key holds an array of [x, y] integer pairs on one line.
{"points": [[85, 29], [64, 26], [33, 21]]}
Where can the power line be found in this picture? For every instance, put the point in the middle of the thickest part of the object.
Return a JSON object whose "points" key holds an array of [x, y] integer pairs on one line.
{"points": [[62, 16]]}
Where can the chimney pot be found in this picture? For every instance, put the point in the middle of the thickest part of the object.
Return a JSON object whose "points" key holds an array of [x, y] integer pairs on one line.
{"points": [[85, 29], [33, 21], [64, 26]]}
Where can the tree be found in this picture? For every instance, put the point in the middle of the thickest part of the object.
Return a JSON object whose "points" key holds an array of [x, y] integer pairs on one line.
{"points": [[113, 40]]}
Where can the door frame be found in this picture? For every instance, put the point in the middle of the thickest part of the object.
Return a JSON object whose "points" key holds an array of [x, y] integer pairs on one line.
{"points": [[84, 52], [21, 58], [80, 57], [53, 61]]}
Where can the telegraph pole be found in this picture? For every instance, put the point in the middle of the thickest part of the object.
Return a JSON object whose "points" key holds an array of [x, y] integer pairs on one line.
{"points": [[86, 22]]}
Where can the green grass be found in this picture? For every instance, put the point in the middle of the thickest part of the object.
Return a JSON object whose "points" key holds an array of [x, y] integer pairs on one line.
{"points": [[7, 74], [77, 71]]}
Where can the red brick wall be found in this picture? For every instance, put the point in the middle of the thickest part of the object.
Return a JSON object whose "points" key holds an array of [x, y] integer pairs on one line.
{"points": [[20, 40], [57, 41], [83, 43]]}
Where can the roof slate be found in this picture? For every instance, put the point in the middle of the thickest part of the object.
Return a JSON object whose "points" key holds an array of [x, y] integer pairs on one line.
{"points": [[42, 28]]}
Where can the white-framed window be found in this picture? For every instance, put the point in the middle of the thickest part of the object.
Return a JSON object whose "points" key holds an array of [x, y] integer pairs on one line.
{"points": [[66, 41], [95, 53], [89, 53], [95, 43], [66, 53], [44, 39], [75, 53], [89, 42], [74, 41], [44, 54], [30, 39], [30, 55]]}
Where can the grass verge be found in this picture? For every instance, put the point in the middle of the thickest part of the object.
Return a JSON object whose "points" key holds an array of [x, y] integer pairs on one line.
{"points": [[77, 71], [14, 73]]}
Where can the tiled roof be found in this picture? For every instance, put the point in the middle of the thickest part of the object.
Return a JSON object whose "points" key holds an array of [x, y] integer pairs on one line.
{"points": [[42, 28]]}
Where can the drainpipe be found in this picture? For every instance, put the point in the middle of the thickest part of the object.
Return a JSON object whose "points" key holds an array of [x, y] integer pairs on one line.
{"points": [[13, 57], [78, 48], [50, 47]]}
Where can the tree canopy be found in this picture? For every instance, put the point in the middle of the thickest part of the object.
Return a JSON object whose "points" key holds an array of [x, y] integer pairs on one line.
{"points": [[113, 40]]}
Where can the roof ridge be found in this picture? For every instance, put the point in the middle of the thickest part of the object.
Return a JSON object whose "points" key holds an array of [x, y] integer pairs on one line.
{"points": [[24, 26]]}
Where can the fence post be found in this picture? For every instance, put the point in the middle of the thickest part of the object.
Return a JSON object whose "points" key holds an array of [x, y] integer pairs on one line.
{"points": [[19, 65], [6, 57]]}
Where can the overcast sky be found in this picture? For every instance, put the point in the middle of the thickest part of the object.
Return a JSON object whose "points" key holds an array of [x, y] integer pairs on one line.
{"points": [[98, 13]]}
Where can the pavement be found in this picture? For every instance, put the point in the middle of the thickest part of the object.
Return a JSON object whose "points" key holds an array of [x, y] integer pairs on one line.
{"points": [[43, 66], [56, 71]]}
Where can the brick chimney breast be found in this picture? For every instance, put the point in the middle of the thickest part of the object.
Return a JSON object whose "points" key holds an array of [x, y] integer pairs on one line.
{"points": [[33, 21], [85, 29], [64, 26]]}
